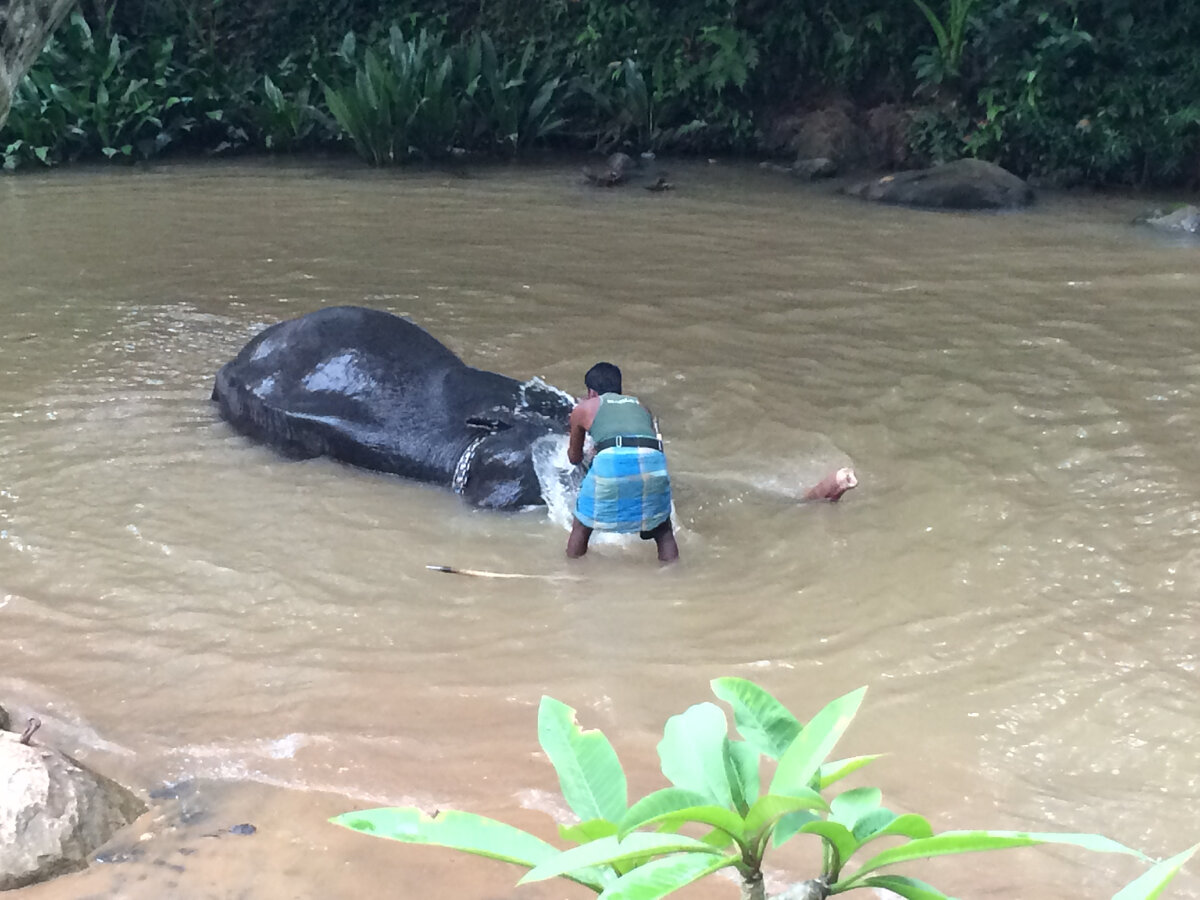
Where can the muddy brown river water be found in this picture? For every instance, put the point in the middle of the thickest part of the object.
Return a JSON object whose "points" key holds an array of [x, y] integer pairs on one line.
{"points": [[256, 640]]}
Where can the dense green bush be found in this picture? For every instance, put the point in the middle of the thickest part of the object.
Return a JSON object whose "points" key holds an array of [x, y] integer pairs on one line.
{"points": [[1102, 91], [97, 93]]}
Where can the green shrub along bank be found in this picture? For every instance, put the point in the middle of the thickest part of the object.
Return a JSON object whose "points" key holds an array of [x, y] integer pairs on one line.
{"points": [[1097, 91]]}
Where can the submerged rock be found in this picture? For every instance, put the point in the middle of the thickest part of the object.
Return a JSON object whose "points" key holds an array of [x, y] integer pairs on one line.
{"points": [[812, 169], [621, 168], [1182, 220], [962, 184], [615, 171], [54, 812], [804, 169]]}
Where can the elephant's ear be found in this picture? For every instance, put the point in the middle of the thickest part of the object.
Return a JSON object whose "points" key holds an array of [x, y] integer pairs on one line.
{"points": [[490, 424]]}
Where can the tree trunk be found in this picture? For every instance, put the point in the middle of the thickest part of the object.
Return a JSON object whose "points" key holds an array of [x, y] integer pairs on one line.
{"points": [[25, 26]]}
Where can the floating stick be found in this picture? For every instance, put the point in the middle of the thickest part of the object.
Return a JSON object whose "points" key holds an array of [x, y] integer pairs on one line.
{"points": [[480, 573]]}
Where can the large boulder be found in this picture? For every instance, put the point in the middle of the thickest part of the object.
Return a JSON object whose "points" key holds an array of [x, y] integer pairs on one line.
{"points": [[830, 132], [962, 184], [53, 812], [887, 127]]}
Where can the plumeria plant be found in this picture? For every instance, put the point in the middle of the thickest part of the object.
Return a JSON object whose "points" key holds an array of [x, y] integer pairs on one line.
{"points": [[641, 852]]}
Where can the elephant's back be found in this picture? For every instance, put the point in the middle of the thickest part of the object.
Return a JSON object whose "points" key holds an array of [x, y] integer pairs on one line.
{"points": [[315, 347], [333, 382]]}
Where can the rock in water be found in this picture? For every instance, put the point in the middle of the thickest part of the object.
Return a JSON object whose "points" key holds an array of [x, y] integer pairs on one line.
{"points": [[1184, 220], [54, 812], [615, 171], [962, 184]]}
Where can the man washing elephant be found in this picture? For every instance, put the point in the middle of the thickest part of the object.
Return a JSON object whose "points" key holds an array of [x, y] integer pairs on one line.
{"points": [[378, 391], [627, 489]]}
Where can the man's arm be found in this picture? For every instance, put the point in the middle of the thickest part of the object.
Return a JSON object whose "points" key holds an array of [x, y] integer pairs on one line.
{"points": [[578, 432]]}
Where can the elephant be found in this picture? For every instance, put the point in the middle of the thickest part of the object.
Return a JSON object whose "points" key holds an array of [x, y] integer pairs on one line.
{"points": [[377, 391]]}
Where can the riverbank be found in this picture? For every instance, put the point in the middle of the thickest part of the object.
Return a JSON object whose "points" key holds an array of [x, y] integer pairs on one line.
{"points": [[1063, 96]]}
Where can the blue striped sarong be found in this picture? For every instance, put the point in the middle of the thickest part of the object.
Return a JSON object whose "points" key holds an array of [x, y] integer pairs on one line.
{"points": [[627, 489]]}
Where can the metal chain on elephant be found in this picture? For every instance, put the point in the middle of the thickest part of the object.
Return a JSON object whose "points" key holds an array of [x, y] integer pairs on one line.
{"points": [[462, 471]]}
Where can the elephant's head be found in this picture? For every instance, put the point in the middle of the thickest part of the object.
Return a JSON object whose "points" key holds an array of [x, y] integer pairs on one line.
{"points": [[501, 473]]}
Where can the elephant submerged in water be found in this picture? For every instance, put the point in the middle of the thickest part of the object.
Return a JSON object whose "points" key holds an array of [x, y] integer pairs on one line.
{"points": [[377, 391]]}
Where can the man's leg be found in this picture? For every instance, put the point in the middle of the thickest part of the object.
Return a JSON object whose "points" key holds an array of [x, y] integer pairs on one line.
{"points": [[577, 543], [664, 539]]}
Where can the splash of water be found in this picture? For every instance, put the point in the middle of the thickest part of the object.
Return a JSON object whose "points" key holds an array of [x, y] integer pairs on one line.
{"points": [[538, 396], [559, 479]]}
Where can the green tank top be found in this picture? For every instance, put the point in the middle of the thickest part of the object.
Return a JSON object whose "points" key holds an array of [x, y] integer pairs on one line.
{"points": [[621, 415]]}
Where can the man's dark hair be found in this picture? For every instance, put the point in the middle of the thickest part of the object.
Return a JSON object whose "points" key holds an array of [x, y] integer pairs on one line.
{"points": [[603, 378]]}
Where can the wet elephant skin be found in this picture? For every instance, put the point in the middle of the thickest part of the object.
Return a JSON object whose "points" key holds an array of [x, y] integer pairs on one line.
{"points": [[378, 391]]}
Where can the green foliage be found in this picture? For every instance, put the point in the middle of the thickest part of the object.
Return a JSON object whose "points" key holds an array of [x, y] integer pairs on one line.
{"points": [[515, 102], [105, 103], [1099, 92], [407, 97], [589, 773], [289, 121], [641, 852], [1153, 882], [943, 65], [395, 100], [95, 93]]}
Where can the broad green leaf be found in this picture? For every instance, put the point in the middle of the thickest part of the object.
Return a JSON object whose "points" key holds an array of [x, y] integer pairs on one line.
{"points": [[950, 842], [674, 807], [872, 822], [692, 752], [769, 809], [1094, 842], [589, 772], [759, 717], [591, 830], [460, 831], [717, 838], [943, 844], [803, 757], [908, 888], [1152, 883], [835, 771], [274, 95], [836, 834], [850, 806], [661, 877], [741, 771], [909, 825], [639, 846], [717, 817]]}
